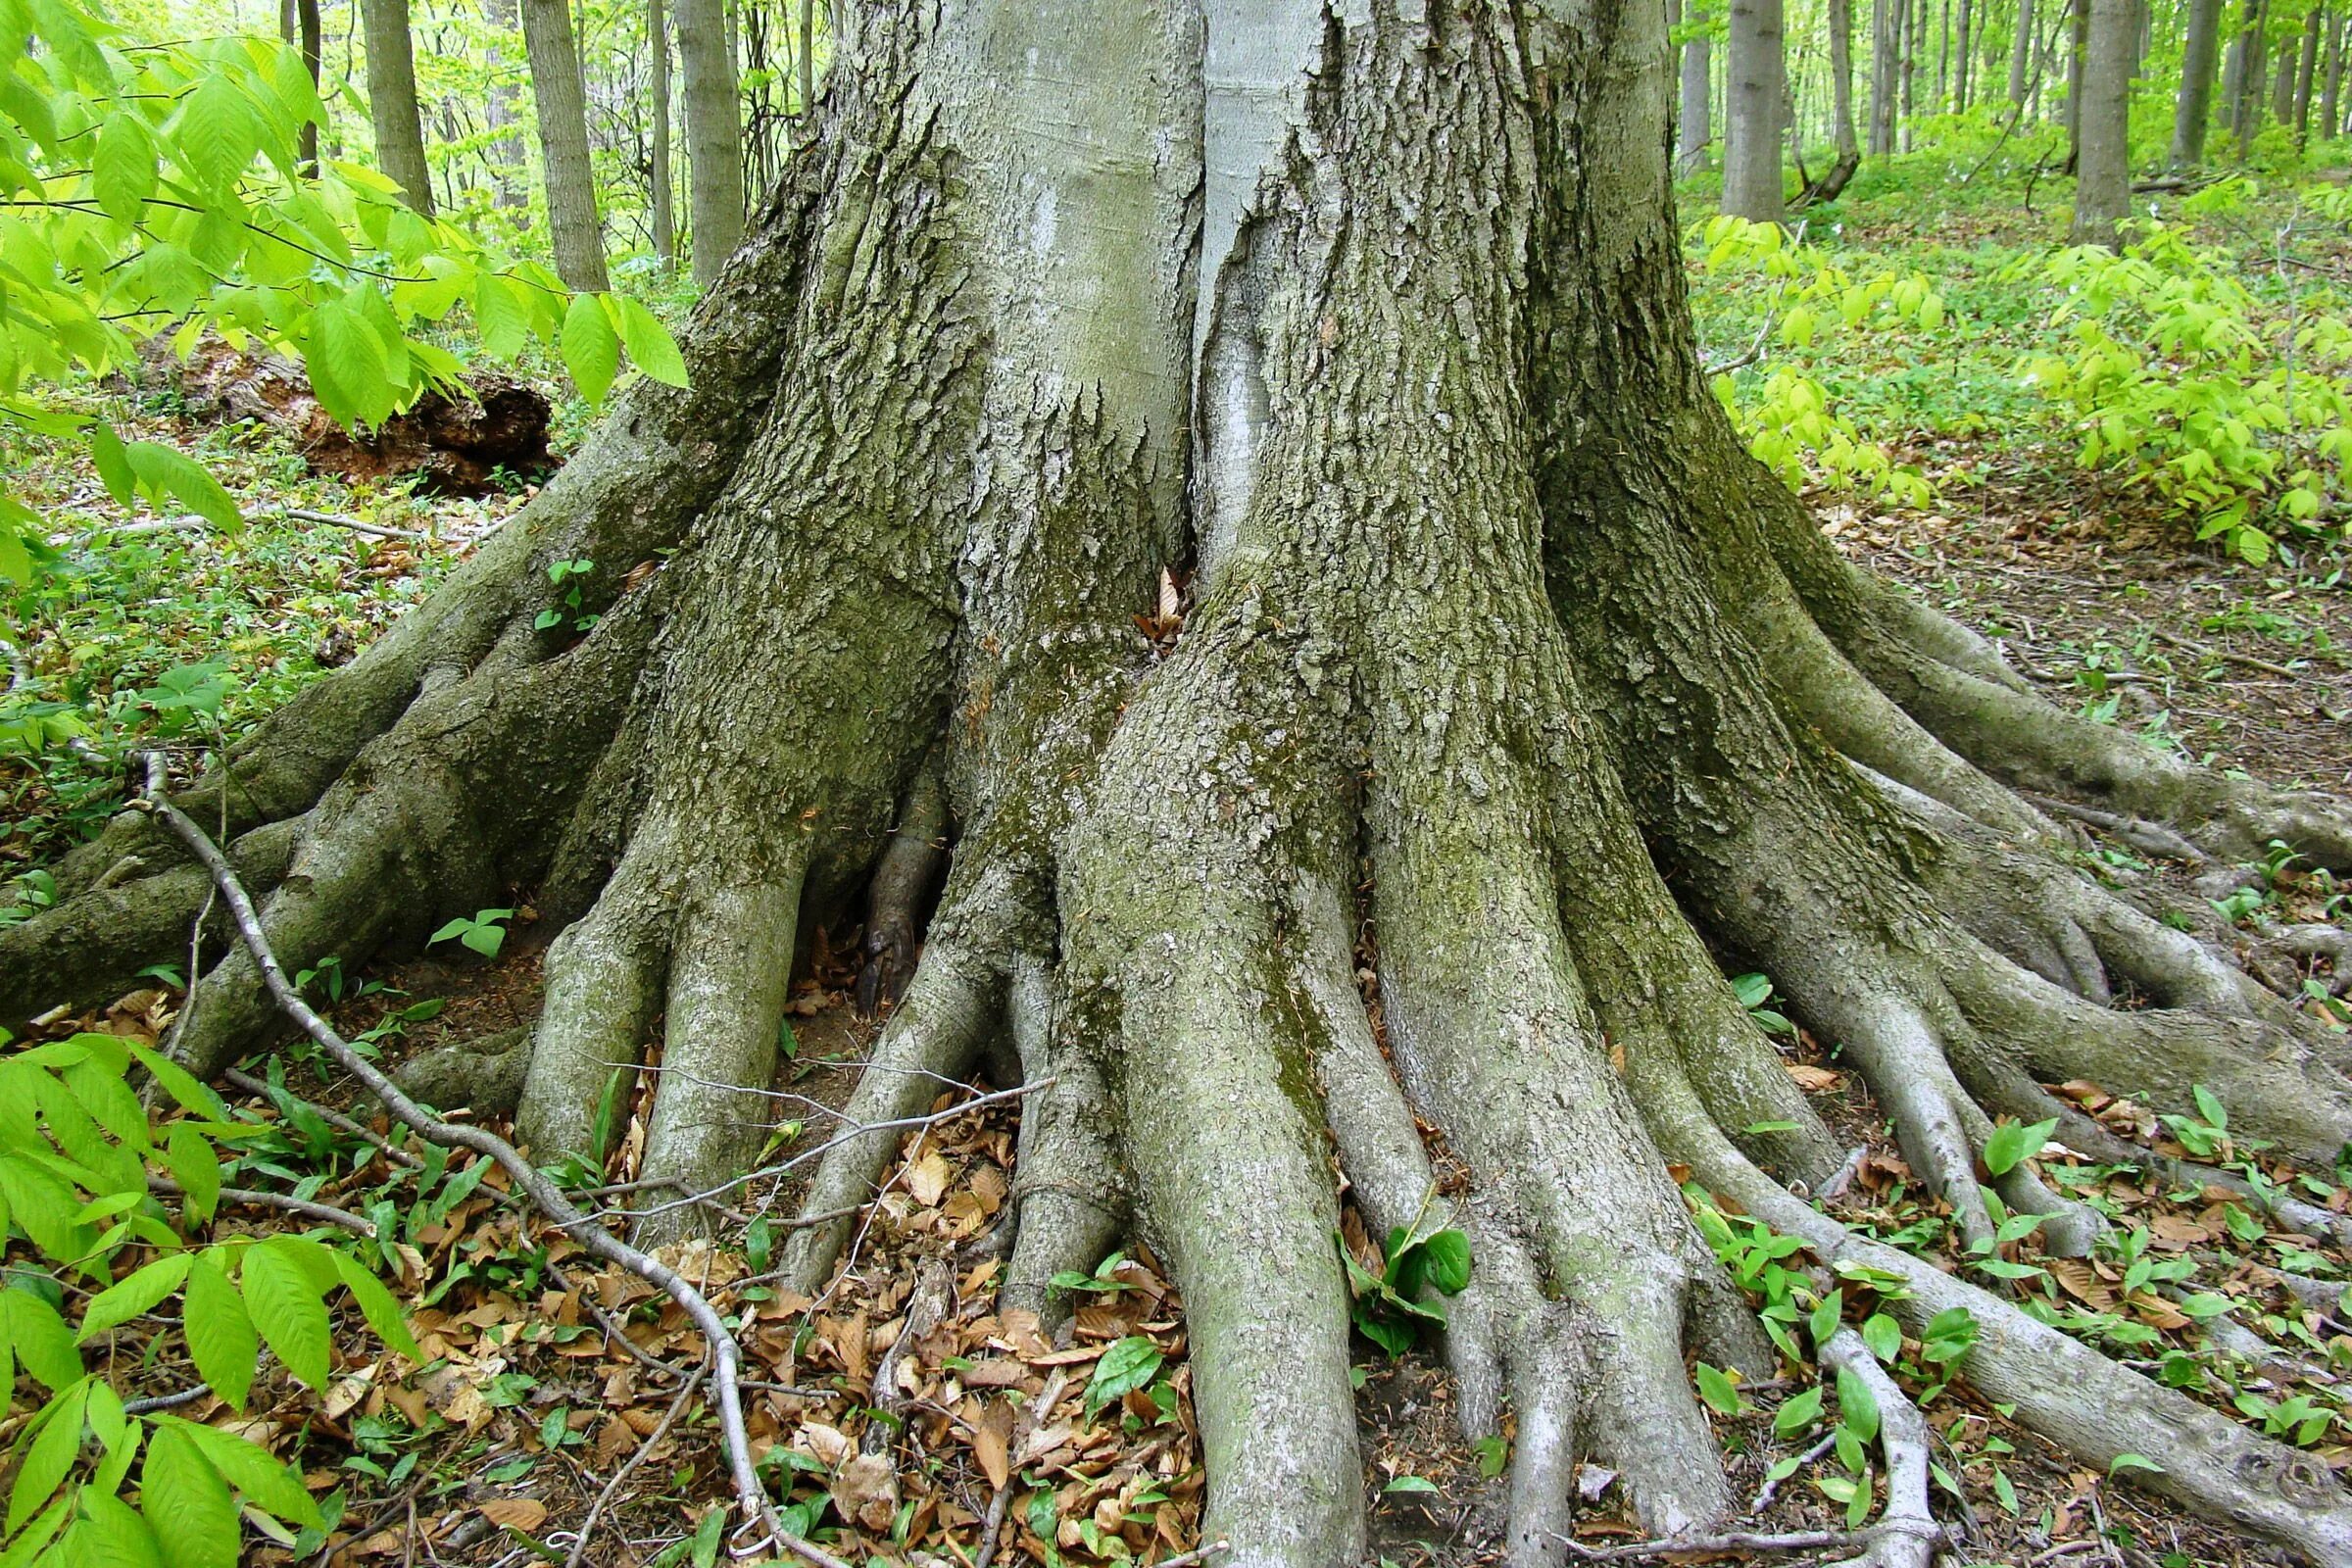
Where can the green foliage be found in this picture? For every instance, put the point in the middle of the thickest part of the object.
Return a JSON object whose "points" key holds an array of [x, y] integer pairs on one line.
{"points": [[1391, 1306], [484, 932], [2179, 378], [79, 1162], [157, 187]]}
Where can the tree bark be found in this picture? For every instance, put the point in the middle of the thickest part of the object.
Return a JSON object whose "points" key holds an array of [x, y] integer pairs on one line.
{"points": [[2104, 171], [1847, 151], [1694, 130], [2331, 122], [665, 215], [714, 136], [574, 232], [1886, 31], [298, 27], [1757, 87], [2246, 76], [2192, 107], [2305, 70], [807, 58], [1964, 56], [512, 178], [392, 100], [2020, 53], [1508, 687]]}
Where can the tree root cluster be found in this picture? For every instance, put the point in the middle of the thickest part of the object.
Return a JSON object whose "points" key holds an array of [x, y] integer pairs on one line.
{"points": [[1511, 699]]}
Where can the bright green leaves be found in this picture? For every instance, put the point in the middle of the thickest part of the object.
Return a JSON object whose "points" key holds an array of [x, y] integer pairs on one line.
{"points": [[1390, 1306], [286, 1298], [220, 1336], [143, 1292], [38, 1340], [188, 1503], [591, 348], [651, 347], [123, 165], [350, 364], [2012, 1144], [1128, 1364], [217, 134]]}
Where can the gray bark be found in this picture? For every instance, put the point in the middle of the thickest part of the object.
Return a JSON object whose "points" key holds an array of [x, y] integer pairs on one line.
{"points": [[714, 136], [574, 232], [1694, 130], [2192, 107], [507, 157], [1964, 56], [2020, 53], [392, 100], [298, 27], [2331, 122], [1753, 186], [2103, 168], [2306, 69], [1886, 73], [2245, 74]]}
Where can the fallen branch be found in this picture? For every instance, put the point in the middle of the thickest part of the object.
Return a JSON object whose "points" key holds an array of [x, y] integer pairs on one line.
{"points": [[585, 1229], [246, 1081], [247, 1197]]}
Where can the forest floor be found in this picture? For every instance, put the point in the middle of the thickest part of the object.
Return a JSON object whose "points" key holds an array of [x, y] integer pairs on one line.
{"points": [[545, 1377]]}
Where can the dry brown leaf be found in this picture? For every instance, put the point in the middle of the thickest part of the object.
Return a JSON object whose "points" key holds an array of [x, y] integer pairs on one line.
{"points": [[866, 1489], [992, 1443], [1812, 1079], [515, 1513], [2079, 1281], [929, 1177], [995, 1373]]}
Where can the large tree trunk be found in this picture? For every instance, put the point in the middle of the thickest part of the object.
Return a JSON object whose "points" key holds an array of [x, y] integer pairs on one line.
{"points": [[574, 232], [392, 100], [2193, 109], [2305, 70], [1695, 130], [298, 27], [2104, 168], [714, 136], [2020, 53], [1886, 34], [1510, 688]]}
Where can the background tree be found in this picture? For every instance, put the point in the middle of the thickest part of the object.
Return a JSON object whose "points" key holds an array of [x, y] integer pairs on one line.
{"points": [[392, 100], [1693, 124], [2194, 105], [664, 214], [713, 135], [2103, 166], [560, 94], [1752, 184]]}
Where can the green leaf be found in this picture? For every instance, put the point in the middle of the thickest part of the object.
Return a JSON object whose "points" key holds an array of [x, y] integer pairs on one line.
{"points": [[2210, 1107], [1718, 1390], [217, 133], [1798, 1413], [591, 352], [42, 1343], [1884, 1336], [274, 1488], [123, 165], [377, 1307], [1857, 1406], [347, 364], [188, 1503], [1446, 1261], [651, 347], [50, 1457], [1492, 1455], [219, 1334], [169, 471], [111, 1532], [139, 1292], [1129, 1365], [112, 465], [2011, 1144], [1410, 1484], [197, 1170], [2134, 1461]]}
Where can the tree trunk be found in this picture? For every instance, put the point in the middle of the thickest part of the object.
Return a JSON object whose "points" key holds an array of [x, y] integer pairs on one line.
{"points": [[1694, 130], [808, 57], [2305, 70], [392, 100], [2104, 171], [2246, 74], [2282, 84], [511, 176], [573, 231], [2331, 122], [665, 215], [2078, 56], [2020, 53], [2192, 107], [1915, 34], [1886, 34], [714, 136], [1964, 58], [1508, 687], [1752, 186], [297, 25], [1847, 151]]}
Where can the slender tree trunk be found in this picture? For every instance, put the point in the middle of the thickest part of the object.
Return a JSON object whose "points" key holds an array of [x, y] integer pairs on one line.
{"points": [[714, 136], [392, 100], [2282, 84], [1964, 60], [2192, 107], [2247, 75], [2076, 57], [665, 215], [1915, 33], [2020, 53], [2306, 69], [297, 25], [1886, 48], [2103, 168], [1842, 81], [1752, 155], [1694, 130], [561, 97], [2330, 92], [1944, 56], [808, 57]]}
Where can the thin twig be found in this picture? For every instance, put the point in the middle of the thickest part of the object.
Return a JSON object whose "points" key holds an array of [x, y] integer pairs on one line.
{"points": [[1732, 1540], [1201, 1553], [992, 1522], [1772, 1488], [247, 1197], [165, 1401], [596, 1509], [586, 1229]]}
